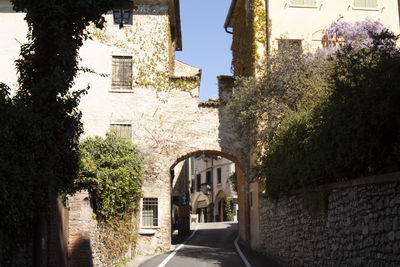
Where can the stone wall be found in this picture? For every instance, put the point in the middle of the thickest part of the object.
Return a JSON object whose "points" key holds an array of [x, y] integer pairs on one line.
{"points": [[360, 227], [90, 242]]}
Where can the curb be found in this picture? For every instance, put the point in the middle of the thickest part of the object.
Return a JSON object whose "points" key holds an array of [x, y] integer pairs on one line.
{"points": [[241, 253]]}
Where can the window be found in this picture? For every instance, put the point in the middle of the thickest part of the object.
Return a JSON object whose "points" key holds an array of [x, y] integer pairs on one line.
{"points": [[290, 46], [303, 2], [219, 178], [208, 177], [251, 199], [122, 16], [123, 131], [366, 3], [121, 72], [198, 182], [150, 212]]}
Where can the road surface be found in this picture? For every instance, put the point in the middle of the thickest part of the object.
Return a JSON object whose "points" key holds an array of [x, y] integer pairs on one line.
{"points": [[211, 245]]}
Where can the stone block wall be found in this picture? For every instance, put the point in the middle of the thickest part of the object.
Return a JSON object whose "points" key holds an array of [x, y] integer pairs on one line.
{"points": [[360, 227]]}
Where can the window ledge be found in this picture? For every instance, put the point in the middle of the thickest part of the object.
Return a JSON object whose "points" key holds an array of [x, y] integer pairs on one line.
{"points": [[365, 8], [120, 91], [302, 6], [147, 231]]}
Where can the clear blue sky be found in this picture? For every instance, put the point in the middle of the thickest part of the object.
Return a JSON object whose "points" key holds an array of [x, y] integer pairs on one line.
{"points": [[205, 43]]}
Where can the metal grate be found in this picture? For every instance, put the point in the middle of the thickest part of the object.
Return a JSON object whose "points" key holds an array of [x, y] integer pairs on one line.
{"points": [[121, 72], [150, 212]]}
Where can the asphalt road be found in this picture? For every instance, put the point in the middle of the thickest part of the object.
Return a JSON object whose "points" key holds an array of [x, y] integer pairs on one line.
{"points": [[211, 245]]}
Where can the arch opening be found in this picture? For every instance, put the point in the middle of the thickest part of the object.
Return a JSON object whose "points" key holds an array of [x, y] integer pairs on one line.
{"points": [[201, 183]]}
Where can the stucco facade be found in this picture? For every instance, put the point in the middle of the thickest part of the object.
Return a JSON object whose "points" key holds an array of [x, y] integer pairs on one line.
{"points": [[210, 187]]}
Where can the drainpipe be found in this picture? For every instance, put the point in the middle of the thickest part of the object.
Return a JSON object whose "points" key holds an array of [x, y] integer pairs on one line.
{"points": [[229, 16], [212, 186], [267, 34]]}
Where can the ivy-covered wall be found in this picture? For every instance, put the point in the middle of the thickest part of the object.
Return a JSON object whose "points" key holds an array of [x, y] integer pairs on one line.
{"points": [[243, 43]]}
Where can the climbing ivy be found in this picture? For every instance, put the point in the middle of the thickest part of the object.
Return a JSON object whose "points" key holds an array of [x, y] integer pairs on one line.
{"points": [[41, 123]]}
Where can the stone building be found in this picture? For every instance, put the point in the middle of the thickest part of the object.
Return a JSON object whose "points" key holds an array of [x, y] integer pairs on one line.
{"points": [[201, 188], [300, 23], [210, 188], [139, 91]]}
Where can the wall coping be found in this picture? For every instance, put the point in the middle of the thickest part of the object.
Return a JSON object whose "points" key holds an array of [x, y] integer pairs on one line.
{"points": [[393, 177], [375, 179]]}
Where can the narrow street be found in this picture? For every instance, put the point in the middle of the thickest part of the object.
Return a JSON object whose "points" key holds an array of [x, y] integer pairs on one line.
{"points": [[211, 245]]}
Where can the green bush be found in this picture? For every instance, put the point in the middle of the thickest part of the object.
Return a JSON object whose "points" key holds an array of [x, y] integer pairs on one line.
{"points": [[112, 170]]}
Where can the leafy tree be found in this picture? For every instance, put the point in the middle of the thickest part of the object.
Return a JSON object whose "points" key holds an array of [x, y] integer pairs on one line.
{"points": [[112, 170], [338, 120]]}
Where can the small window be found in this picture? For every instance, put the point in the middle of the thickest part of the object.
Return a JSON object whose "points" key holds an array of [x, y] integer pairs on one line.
{"points": [[121, 72], [290, 46], [208, 178], [150, 212], [123, 131], [198, 182], [303, 2], [366, 3], [251, 199], [219, 175], [122, 16]]}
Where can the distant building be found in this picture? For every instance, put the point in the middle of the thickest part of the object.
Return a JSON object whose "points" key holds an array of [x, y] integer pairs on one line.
{"points": [[201, 189]]}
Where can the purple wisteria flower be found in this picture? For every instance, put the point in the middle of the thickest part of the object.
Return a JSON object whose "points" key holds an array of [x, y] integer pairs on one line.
{"points": [[357, 35]]}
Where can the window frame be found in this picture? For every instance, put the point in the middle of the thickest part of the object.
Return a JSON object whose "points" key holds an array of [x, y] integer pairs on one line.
{"points": [[155, 221], [118, 84], [198, 182], [209, 178], [122, 124], [354, 7], [288, 40], [122, 12], [219, 176], [298, 5]]}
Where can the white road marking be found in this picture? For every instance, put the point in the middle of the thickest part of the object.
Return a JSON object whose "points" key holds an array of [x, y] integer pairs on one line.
{"points": [[167, 259], [241, 253]]}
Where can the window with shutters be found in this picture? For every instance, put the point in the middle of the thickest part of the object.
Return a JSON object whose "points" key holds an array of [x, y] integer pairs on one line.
{"points": [[303, 3], [123, 131], [121, 72], [290, 46], [198, 182], [369, 4], [208, 178], [150, 212], [122, 16]]}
